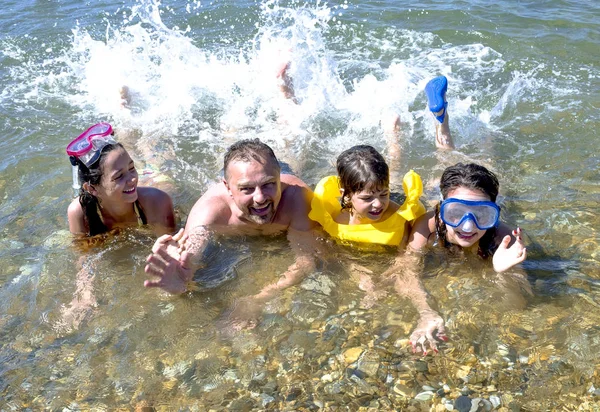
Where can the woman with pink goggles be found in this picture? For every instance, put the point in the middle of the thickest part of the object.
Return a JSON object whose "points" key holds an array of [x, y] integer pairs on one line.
{"points": [[107, 183]]}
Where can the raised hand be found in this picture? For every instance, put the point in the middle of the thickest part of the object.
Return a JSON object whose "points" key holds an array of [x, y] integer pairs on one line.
{"points": [[429, 323], [169, 262], [506, 257]]}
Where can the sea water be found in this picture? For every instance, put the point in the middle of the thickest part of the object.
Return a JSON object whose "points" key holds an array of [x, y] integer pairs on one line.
{"points": [[78, 329]]}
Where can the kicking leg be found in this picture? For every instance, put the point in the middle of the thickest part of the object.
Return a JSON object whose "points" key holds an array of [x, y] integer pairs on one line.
{"points": [[438, 105], [286, 84], [392, 129], [125, 97]]}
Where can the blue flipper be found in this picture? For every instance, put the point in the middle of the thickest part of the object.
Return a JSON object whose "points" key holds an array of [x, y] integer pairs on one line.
{"points": [[436, 94]]}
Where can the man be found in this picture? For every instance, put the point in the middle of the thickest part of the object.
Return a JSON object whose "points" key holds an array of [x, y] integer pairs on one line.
{"points": [[254, 198]]}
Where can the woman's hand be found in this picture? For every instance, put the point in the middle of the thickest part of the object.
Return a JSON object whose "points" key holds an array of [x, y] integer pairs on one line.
{"points": [[506, 257]]}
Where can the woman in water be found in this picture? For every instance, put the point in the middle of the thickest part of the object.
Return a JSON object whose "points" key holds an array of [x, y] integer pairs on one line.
{"points": [[466, 221], [109, 196]]}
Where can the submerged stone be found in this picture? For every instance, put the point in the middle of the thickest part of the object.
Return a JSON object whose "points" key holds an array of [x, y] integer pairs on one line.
{"points": [[403, 390], [462, 404], [424, 396], [318, 283], [495, 400], [351, 355], [266, 400], [369, 363]]}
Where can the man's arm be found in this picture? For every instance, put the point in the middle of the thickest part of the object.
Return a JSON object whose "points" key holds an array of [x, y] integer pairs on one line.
{"points": [[303, 245], [247, 309], [302, 240]]}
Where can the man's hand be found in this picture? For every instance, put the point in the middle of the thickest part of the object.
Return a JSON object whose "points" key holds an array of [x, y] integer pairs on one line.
{"points": [[169, 262], [506, 257], [429, 323], [244, 314]]}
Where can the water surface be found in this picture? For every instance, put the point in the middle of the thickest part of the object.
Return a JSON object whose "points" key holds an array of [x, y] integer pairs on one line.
{"points": [[523, 99]]}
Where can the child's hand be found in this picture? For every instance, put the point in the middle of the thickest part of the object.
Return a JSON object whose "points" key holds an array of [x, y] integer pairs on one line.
{"points": [[428, 324], [506, 257]]}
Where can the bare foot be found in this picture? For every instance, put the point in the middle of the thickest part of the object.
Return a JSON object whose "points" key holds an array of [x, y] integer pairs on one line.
{"points": [[286, 84], [125, 97]]}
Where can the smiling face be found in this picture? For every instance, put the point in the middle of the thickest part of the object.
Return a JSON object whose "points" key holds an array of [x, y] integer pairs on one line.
{"points": [[119, 178], [466, 235], [369, 205], [255, 188]]}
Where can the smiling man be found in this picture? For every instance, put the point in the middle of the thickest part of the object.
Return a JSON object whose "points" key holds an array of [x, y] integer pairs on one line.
{"points": [[254, 198]]}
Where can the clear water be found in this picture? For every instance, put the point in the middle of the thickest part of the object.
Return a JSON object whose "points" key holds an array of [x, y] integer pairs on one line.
{"points": [[524, 97]]}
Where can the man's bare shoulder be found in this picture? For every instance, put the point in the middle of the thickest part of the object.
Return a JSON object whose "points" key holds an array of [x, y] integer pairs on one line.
{"points": [[295, 203], [212, 208], [292, 181]]}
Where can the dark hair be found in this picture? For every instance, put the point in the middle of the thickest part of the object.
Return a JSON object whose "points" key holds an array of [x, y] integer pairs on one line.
{"points": [[471, 176], [93, 175], [360, 167], [247, 150]]}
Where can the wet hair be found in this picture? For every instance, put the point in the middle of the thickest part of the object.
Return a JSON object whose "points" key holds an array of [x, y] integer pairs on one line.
{"points": [[475, 177], [248, 150], [361, 167], [89, 203]]}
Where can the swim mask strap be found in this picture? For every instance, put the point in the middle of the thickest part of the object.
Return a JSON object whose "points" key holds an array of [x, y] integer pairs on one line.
{"points": [[75, 169]]}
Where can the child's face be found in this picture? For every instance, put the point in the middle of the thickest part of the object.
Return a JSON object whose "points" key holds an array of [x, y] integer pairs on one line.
{"points": [[467, 234], [369, 205], [119, 178]]}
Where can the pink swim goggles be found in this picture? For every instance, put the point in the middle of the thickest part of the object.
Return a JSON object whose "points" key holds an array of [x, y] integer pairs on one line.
{"points": [[89, 144]]}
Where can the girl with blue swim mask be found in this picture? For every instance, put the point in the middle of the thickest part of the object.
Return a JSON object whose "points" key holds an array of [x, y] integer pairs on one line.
{"points": [[469, 218], [466, 220]]}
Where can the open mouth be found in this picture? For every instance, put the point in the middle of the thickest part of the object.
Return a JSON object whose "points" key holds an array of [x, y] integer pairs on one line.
{"points": [[261, 211], [130, 191], [376, 213]]}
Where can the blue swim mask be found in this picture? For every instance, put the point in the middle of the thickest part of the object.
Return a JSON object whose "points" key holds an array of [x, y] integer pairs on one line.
{"points": [[455, 212]]}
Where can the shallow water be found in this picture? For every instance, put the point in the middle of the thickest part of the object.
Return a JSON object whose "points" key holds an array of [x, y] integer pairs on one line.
{"points": [[523, 98]]}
